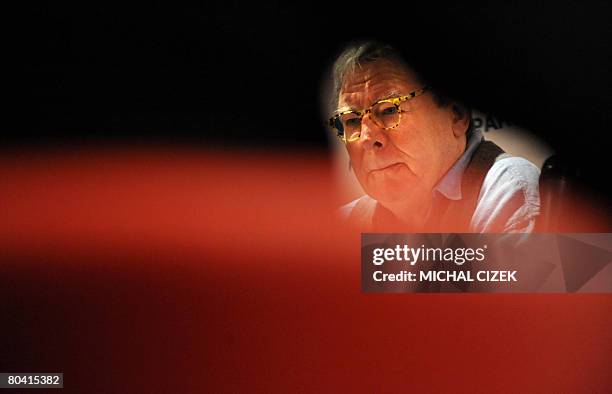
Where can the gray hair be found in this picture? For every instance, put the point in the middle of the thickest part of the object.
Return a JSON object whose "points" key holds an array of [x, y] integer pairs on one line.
{"points": [[356, 54]]}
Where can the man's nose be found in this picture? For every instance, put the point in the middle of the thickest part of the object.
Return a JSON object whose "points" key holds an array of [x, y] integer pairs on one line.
{"points": [[372, 137]]}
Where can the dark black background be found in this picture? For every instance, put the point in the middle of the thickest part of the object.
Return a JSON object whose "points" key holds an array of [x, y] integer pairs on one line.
{"points": [[248, 74]]}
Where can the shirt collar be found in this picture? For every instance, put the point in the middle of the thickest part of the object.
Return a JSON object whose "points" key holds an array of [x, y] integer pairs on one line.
{"points": [[450, 184]]}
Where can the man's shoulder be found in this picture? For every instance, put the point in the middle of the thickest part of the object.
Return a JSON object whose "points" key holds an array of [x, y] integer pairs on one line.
{"points": [[509, 198], [511, 172]]}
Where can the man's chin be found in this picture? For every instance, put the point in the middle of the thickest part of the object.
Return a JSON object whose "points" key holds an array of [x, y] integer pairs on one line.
{"points": [[391, 196]]}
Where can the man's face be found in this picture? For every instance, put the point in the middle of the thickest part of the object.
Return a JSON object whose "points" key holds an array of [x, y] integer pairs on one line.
{"points": [[403, 164]]}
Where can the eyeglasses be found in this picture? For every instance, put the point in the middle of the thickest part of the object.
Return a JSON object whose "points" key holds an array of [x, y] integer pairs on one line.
{"points": [[386, 114]]}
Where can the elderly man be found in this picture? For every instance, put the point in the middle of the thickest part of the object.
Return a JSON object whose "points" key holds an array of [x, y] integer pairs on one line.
{"points": [[414, 153]]}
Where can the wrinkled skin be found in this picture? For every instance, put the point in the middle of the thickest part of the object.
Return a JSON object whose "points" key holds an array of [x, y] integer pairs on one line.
{"points": [[400, 167]]}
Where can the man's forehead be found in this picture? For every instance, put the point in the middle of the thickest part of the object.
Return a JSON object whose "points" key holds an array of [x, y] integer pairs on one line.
{"points": [[375, 81]]}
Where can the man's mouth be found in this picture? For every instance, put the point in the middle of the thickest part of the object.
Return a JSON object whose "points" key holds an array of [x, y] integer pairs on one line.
{"points": [[393, 166]]}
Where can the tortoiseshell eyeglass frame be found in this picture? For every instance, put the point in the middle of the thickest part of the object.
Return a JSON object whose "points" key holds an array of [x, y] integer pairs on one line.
{"points": [[334, 121]]}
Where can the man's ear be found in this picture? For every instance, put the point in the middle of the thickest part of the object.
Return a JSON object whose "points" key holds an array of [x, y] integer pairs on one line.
{"points": [[461, 119]]}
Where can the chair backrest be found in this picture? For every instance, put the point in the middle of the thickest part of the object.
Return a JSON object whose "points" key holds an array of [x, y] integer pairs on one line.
{"points": [[558, 182]]}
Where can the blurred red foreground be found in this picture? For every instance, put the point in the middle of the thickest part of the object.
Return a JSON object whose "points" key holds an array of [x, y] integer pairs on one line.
{"points": [[152, 270]]}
